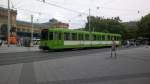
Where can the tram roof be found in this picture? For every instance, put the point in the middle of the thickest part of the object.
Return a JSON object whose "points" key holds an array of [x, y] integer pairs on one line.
{"points": [[81, 31]]}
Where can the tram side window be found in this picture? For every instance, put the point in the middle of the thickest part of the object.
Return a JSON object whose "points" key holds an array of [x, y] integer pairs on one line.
{"points": [[103, 37], [54, 35], [86, 36], [99, 37], [50, 35], [94, 37], [74, 36], [108, 37], [119, 38], [60, 36], [112, 38], [57, 36], [66, 36], [115, 37], [80, 36]]}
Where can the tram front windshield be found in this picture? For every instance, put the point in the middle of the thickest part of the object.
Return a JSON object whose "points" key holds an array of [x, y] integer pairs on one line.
{"points": [[44, 35]]}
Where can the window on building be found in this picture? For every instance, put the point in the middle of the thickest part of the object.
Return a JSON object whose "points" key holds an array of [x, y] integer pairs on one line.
{"points": [[23, 30], [18, 30]]}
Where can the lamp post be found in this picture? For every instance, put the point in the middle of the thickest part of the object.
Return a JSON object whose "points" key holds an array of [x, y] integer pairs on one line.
{"points": [[8, 25], [89, 19], [31, 43]]}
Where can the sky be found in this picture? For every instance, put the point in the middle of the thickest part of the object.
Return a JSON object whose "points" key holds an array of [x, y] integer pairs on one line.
{"points": [[75, 12]]}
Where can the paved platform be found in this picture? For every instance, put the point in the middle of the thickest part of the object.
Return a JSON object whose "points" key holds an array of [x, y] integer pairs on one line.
{"points": [[130, 67], [14, 48]]}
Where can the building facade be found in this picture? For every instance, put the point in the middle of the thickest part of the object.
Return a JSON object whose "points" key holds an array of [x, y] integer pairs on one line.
{"points": [[23, 29], [60, 25], [53, 23], [4, 16], [4, 21]]}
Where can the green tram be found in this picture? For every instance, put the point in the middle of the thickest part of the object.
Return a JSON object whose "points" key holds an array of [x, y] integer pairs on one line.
{"points": [[55, 39]]}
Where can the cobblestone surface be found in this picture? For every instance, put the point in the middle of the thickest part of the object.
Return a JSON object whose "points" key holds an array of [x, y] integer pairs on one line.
{"points": [[81, 67], [14, 48]]}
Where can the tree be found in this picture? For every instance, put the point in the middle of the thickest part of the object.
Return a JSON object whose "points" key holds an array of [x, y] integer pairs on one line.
{"points": [[131, 29], [144, 26], [108, 25], [53, 20]]}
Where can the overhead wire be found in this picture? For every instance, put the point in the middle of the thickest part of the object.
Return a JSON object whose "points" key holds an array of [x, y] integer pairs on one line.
{"points": [[68, 9], [58, 6], [75, 11]]}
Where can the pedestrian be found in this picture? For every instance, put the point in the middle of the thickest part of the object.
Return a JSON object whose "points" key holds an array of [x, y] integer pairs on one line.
{"points": [[113, 49], [21, 42], [135, 43], [128, 43], [1, 42], [146, 43]]}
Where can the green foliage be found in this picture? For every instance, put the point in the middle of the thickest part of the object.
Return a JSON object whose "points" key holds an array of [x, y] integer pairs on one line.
{"points": [[144, 26], [112, 25], [131, 29], [53, 20]]}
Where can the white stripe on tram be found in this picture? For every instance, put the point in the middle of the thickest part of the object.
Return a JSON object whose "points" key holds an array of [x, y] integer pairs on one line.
{"points": [[88, 42]]}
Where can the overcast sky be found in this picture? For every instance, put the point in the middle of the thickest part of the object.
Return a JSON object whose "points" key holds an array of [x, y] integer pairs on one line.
{"points": [[127, 10]]}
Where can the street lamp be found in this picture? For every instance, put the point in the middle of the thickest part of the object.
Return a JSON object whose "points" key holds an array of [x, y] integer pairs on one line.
{"points": [[8, 25], [31, 44], [89, 19]]}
